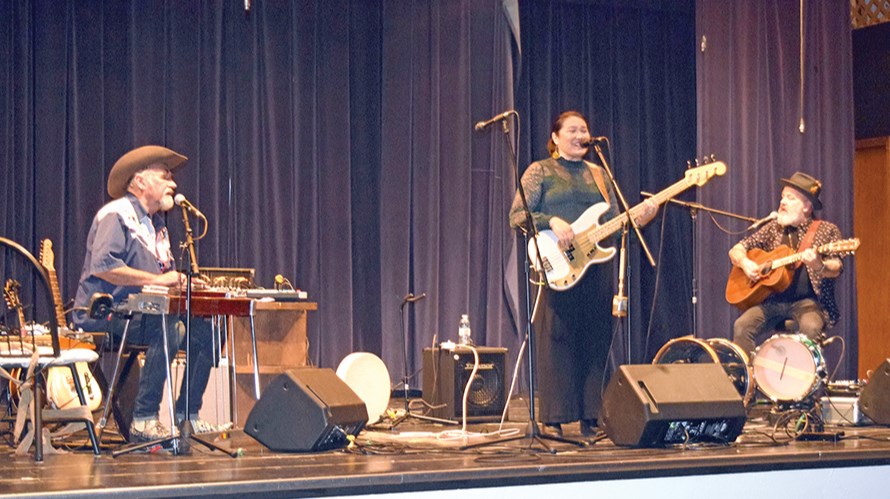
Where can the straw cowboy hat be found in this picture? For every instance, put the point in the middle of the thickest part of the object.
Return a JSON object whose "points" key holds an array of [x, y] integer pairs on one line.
{"points": [[139, 159]]}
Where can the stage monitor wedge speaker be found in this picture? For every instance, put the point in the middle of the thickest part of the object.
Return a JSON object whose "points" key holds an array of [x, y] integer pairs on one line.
{"points": [[445, 376], [304, 410], [650, 405], [874, 400]]}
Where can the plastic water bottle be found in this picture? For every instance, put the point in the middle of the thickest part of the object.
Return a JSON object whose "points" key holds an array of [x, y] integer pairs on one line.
{"points": [[463, 330]]}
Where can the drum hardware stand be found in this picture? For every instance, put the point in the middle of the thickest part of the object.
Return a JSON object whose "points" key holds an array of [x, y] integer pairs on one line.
{"points": [[694, 208], [412, 299], [533, 430]]}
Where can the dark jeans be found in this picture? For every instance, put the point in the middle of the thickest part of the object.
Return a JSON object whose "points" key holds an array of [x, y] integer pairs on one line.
{"points": [[760, 320], [147, 330]]}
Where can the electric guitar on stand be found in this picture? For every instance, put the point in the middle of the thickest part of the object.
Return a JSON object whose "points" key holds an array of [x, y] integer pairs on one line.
{"points": [[11, 294], [776, 272], [59, 380], [564, 268]]}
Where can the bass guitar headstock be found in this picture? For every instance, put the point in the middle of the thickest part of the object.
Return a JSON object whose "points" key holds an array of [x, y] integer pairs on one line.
{"points": [[704, 170]]}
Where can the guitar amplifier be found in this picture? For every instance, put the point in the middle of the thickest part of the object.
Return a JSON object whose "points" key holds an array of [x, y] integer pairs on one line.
{"points": [[445, 377]]}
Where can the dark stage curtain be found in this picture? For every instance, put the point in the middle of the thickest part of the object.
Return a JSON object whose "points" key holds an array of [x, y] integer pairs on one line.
{"points": [[629, 66], [329, 141], [749, 112]]}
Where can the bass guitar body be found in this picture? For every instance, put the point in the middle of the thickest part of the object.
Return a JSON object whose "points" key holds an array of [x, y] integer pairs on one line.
{"points": [[564, 268]]}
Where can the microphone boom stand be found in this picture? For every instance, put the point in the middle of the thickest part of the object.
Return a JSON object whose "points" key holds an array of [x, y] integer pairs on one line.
{"points": [[186, 431], [694, 208], [533, 430]]}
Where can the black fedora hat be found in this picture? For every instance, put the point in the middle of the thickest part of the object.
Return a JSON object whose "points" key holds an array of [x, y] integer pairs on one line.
{"points": [[807, 185]]}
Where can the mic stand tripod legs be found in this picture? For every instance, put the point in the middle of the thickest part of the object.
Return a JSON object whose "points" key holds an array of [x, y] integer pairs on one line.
{"points": [[411, 299]]}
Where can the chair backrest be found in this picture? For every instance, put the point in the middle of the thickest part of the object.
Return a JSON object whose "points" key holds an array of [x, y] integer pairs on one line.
{"points": [[19, 266]]}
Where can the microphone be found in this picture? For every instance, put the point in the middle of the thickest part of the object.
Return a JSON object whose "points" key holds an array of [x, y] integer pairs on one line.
{"points": [[772, 216], [593, 140], [411, 297], [482, 125], [180, 200]]}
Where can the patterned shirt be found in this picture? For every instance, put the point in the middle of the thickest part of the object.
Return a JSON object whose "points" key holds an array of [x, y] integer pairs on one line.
{"points": [[122, 234], [773, 235]]}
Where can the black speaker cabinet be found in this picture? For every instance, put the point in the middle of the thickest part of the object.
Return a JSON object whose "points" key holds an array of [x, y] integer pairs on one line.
{"points": [[306, 409], [445, 377], [874, 401], [653, 405]]}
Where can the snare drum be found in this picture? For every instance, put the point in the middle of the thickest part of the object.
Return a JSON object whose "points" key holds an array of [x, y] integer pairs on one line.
{"points": [[689, 350], [788, 367]]}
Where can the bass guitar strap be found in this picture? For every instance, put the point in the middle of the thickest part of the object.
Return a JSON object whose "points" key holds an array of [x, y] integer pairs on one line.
{"points": [[600, 180]]}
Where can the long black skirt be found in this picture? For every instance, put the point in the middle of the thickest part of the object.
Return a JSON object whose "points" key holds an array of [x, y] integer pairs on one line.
{"points": [[573, 330]]}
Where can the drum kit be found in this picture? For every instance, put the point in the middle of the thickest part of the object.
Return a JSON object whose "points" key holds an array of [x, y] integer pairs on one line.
{"points": [[788, 369]]}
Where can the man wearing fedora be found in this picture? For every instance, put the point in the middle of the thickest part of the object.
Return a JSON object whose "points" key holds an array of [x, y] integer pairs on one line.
{"points": [[128, 248], [809, 299]]}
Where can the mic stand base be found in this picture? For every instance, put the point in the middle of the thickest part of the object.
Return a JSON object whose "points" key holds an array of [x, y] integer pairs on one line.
{"points": [[535, 435], [179, 445], [430, 419]]}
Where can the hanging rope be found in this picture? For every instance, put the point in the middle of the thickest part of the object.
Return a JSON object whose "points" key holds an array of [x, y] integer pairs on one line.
{"points": [[802, 126]]}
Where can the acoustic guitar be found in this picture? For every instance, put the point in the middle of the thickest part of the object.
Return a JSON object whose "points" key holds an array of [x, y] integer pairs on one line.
{"points": [[564, 268], [776, 272], [59, 380]]}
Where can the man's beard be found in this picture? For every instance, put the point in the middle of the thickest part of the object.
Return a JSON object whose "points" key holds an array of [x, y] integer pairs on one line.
{"points": [[166, 203], [787, 219]]}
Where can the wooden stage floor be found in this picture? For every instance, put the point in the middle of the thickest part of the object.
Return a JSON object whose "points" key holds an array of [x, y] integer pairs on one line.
{"points": [[423, 457]]}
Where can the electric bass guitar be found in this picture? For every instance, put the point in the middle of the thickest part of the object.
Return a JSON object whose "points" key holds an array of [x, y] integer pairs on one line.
{"points": [[775, 271], [564, 268], [59, 380]]}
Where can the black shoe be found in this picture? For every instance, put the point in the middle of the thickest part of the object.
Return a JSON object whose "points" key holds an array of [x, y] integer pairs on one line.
{"points": [[553, 429], [588, 427]]}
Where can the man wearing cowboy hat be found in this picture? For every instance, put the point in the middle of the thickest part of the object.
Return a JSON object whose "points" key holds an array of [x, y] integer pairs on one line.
{"points": [[128, 248], [809, 299]]}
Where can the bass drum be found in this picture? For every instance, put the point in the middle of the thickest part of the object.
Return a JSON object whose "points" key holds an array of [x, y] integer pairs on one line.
{"points": [[690, 350], [788, 368]]}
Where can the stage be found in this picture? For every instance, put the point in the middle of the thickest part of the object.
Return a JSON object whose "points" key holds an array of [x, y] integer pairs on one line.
{"points": [[419, 458]]}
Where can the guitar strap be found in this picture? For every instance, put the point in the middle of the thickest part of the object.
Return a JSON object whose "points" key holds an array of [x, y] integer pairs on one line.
{"points": [[600, 180], [808, 239]]}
